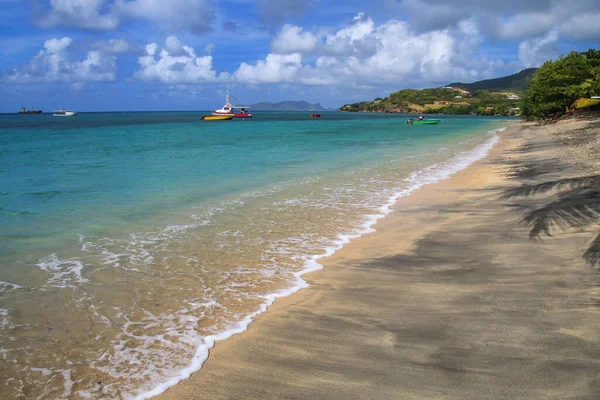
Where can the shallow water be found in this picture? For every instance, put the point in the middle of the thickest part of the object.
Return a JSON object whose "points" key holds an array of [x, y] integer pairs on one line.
{"points": [[131, 241]]}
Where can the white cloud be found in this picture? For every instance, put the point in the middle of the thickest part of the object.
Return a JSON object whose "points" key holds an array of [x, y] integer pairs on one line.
{"points": [[364, 53], [175, 64], [114, 46], [89, 14], [507, 19], [291, 39], [54, 64], [534, 52], [525, 26], [273, 12], [172, 16], [276, 68], [585, 26]]}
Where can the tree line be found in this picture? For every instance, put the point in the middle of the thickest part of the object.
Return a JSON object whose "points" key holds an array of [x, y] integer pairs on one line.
{"points": [[557, 85]]}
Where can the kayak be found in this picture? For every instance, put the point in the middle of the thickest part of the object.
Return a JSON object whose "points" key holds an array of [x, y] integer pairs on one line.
{"points": [[217, 117], [426, 122]]}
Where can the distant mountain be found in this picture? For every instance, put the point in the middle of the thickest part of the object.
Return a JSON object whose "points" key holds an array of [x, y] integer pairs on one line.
{"points": [[286, 106], [512, 83]]}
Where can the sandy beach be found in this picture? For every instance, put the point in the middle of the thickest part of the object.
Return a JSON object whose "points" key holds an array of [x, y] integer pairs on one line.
{"points": [[449, 298]]}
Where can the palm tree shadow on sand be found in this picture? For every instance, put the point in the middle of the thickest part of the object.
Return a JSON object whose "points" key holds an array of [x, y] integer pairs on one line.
{"points": [[576, 204]]}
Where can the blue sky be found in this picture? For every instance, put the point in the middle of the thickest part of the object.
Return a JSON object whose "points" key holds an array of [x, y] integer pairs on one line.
{"points": [[112, 55]]}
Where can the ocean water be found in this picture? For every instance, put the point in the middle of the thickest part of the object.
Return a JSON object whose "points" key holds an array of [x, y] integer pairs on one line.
{"points": [[130, 242]]}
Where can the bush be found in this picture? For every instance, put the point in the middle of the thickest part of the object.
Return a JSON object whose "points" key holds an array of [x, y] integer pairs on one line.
{"points": [[589, 104], [557, 84]]}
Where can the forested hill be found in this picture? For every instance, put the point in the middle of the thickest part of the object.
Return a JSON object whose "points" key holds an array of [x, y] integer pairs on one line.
{"points": [[512, 83], [286, 106]]}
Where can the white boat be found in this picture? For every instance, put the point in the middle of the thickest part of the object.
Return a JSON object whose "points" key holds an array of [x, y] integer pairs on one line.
{"points": [[227, 108], [64, 113]]}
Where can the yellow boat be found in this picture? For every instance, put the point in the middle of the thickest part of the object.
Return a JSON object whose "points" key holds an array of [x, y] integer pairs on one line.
{"points": [[217, 117]]}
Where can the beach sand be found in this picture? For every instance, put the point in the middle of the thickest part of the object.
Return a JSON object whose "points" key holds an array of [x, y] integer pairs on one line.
{"points": [[449, 298]]}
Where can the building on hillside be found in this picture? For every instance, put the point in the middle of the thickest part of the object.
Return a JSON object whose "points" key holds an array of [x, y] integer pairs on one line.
{"points": [[513, 96], [458, 97], [489, 109], [443, 102]]}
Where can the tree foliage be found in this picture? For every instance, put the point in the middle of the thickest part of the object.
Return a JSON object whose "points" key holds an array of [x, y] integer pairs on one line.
{"points": [[478, 102], [557, 84]]}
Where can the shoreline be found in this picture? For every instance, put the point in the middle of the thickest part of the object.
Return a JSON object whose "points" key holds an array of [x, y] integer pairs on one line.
{"points": [[458, 164], [234, 354], [312, 264]]}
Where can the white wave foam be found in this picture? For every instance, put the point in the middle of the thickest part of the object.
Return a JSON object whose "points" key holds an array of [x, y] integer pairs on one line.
{"points": [[4, 286], [231, 234], [66, 374], [64, 273], [431, 174], [178, 228]]}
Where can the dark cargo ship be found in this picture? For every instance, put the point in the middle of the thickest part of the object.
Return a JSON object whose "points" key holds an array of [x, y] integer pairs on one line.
{"points": [[32, 111]]}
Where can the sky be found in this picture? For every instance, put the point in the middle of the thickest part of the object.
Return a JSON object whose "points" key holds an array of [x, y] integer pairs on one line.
{"points": [[137, 55]]}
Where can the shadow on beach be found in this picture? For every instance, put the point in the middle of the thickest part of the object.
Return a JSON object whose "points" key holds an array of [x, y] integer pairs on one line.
{"points": [[472, 309], [557, 202]]}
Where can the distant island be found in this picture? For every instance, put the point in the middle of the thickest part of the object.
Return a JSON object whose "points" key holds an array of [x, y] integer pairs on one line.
{"points": [[286, 106], [500, 96]]}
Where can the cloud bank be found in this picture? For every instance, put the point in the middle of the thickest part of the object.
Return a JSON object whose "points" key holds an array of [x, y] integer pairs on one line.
{"points": [[55, 63]]}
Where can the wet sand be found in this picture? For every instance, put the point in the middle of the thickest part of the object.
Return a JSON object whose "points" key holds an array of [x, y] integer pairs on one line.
{"points": [[449, 298]]}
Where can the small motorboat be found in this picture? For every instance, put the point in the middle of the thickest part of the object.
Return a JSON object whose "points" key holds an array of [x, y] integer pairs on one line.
{"points": [[422, 121], [426, 122], [229, 110], [315, 115], [64, 113], [217, 117], [244, 113]]}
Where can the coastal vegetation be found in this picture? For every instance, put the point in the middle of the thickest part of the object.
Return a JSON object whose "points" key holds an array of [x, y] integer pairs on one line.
{"points": [[447, 100], [500, 96], [565, 85], [558, 85]]}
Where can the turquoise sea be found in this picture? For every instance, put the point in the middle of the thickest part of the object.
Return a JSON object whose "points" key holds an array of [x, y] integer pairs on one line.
{"points": [[130, 242]]}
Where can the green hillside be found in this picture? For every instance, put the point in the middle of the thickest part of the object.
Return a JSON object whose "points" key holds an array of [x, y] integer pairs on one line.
{"points": [[500, 96], [512, 83]]}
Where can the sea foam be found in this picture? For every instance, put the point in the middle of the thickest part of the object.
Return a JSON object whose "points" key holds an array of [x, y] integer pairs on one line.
{"points": [[431, 174]]}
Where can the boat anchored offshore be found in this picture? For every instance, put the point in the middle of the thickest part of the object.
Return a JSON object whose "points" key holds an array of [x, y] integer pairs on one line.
{"points": [[422, 121], [217, 117], [229, 110], [244, 113], [64, 113], [32, 111]]}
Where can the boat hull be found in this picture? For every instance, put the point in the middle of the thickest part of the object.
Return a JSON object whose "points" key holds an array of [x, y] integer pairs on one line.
{"points": [[217, 117], [243, 115], [65, 115], [426, 122]]}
